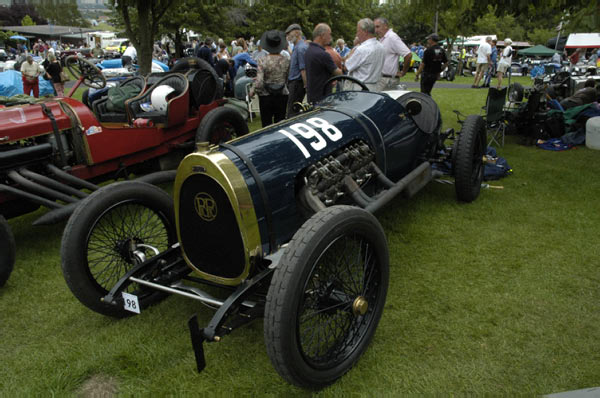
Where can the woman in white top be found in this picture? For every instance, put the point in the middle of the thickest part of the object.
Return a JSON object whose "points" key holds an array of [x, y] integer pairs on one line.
{"points": [[505, 61]]}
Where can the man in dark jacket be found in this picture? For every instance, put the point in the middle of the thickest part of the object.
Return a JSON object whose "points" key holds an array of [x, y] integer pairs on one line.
{"points": [[434, 61], [319, 64], [204, 52]]}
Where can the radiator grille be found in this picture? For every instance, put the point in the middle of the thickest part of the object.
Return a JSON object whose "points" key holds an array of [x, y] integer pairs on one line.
{"points": [[209, 232]]}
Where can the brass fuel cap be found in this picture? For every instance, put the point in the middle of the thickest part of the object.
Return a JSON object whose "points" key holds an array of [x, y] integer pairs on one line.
{"points": [[360, 306]]}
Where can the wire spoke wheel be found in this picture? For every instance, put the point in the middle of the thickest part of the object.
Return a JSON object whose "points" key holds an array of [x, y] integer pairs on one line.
{"points": [[113, 245], [111, 231], [326, 296], [334, 314]]}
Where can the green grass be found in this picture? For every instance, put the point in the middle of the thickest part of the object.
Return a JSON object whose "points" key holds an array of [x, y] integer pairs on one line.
{"points": [[498, 297]]}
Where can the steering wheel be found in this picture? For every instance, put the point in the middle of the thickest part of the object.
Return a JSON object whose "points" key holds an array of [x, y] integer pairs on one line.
{"points": [[344, 77], [79, 67]]}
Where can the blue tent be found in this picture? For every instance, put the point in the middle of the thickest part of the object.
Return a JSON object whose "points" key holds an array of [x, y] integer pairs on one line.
{"points": [[11, 84]]}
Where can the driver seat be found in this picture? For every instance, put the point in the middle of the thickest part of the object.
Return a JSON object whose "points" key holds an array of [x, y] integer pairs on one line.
{"points": [[177, 107], [101, 109]]}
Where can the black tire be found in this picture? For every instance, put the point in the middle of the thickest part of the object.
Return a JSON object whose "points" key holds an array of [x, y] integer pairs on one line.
{"points": [[187, 63], [470, 149], [515, 92], [220, 125], [319, 271], [450, 74], [95, 245], [7, 251]]}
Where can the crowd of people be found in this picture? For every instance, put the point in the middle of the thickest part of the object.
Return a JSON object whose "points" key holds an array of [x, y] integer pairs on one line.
{"points": [[291, 67]]}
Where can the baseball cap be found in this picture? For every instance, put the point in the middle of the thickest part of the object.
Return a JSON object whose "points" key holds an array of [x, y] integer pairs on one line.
{"points": [[434, 37], [293, 26]]}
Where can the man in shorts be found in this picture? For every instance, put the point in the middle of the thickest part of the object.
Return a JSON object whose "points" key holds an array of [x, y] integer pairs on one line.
{"points": [[484, 53]]}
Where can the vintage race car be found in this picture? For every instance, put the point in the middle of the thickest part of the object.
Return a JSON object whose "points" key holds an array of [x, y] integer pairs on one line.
{"points": [[282, 218], [54, 152]]}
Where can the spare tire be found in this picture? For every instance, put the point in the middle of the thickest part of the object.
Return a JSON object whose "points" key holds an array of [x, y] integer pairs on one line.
{"points": [[204, 82], [515, 92], [220, 125]]}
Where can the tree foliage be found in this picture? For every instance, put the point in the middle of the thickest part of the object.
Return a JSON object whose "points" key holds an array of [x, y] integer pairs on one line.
{"points": [[141, 19], [27, 21], [13, 15], [62, 12]]}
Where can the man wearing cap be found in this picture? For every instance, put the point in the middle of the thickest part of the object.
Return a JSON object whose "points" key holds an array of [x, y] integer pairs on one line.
{"points": [[394, 48], [434, 61], [505, 61], [297, 74], [365, 61], [319, 64], [484, 53]]}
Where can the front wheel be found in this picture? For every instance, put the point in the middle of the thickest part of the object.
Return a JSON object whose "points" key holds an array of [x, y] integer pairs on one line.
{"points": [[470, 148], [111, 231], [7, 251], [326, 296]]}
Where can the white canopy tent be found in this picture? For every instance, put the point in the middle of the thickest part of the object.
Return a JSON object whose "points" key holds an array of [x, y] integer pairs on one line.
{"points": [[583, 40]]}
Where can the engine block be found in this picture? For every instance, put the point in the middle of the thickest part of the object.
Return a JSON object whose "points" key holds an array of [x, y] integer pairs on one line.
{"points": [[325, 179]]}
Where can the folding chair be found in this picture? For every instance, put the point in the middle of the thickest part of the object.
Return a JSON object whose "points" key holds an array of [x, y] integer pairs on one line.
{"points": [[494, 115], [251, 102]]}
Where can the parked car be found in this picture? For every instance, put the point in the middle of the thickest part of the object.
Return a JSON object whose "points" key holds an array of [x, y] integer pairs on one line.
{"points": [[282, 219], [53, 153]]}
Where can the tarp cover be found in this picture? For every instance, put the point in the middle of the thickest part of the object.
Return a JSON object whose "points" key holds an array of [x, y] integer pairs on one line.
{"points": [[583, 40], [116, 63], [11, 84], [539, 50]]}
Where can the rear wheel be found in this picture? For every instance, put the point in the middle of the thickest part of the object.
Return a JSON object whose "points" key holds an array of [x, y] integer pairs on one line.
{"points": [[326, 296], [220, 125], [7, 251], [111, 231], [468, 159]]}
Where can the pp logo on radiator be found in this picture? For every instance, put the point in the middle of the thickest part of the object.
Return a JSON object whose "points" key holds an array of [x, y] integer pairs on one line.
{"points": [[206, 207]]}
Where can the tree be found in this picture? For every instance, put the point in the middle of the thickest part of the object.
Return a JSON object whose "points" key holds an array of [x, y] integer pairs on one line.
{"points": [[340, 15], [209, 18], [27, 21], [141, 19], [62, 12], [13, 15]]}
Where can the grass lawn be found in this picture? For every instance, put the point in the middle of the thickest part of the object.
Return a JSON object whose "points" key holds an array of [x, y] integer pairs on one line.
{"points": [[499, 297]]}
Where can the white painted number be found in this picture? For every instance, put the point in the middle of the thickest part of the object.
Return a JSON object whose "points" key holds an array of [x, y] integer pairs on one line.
{"points": [[130, 302], [332, 132], [309, 133], [317, 142]]}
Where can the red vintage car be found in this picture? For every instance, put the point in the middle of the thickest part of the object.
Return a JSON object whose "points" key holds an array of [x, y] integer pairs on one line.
{"points": [[54, 152]]}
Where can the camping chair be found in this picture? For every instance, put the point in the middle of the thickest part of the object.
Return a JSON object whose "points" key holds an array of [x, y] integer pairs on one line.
{"points": [[251, 102], [494, 115]]}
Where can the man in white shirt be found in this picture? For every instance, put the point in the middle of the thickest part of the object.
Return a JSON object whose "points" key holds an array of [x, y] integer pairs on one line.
{"points": [[484, 59], [394, 48], [129, 55], [365, 61]]}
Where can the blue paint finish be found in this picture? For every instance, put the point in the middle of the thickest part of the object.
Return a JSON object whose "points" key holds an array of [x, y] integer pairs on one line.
{"points": [[371, 117]]}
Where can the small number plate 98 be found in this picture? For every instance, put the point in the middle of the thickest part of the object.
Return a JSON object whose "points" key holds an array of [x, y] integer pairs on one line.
{"points": [[130, 302]]}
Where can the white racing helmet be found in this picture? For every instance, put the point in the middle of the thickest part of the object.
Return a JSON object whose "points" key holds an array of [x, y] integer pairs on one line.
{"points": [[160, 97]]}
